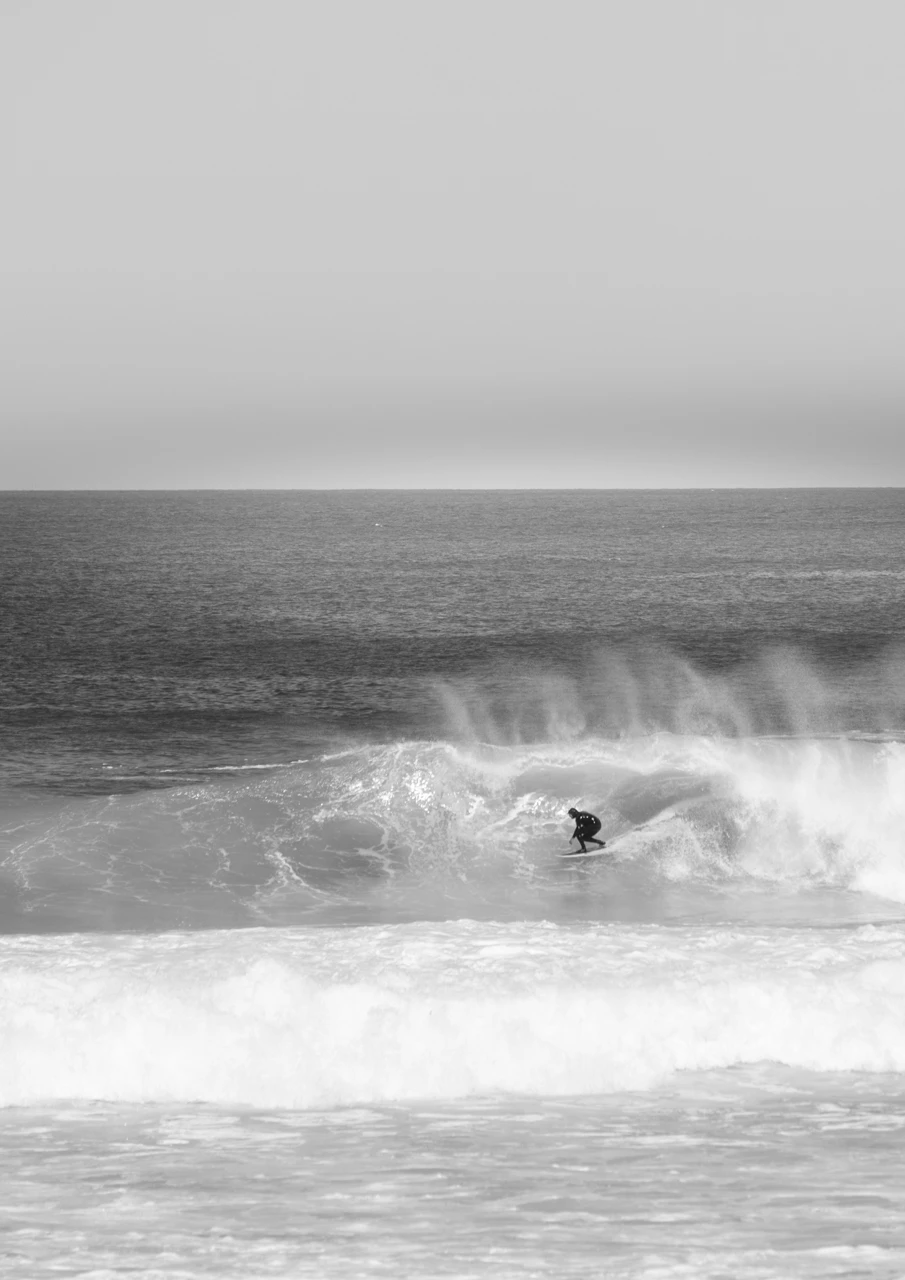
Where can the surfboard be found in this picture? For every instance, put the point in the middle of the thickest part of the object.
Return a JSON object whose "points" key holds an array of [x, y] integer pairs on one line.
{"points": [[601, 853], [611, 844]]}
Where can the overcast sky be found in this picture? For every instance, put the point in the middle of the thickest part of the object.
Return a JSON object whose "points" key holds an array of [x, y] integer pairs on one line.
{"points": [[294, 243]]}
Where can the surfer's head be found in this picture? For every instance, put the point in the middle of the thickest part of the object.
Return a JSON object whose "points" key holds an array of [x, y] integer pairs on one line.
{"points": [[573, 813]]}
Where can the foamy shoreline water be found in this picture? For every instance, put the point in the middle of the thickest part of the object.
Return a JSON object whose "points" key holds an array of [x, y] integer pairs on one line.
{"points": [[456, 1099], [761, 1173]]}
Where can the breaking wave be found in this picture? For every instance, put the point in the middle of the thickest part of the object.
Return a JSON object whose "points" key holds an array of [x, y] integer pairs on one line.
{"points": [[413, 830]]}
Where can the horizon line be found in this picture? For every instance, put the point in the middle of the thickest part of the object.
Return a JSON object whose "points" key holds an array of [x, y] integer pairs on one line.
{"points": [[703, 488]]}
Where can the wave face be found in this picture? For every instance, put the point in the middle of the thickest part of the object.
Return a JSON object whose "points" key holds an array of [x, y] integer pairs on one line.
{"points": [[697, 825], [303, 1018]]}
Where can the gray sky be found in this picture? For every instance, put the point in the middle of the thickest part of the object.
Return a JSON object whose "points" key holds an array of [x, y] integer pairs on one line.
{"points": [[482, 242]]}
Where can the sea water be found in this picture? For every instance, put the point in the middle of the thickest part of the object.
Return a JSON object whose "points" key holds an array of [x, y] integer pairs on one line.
{"points": [[294, 978]]}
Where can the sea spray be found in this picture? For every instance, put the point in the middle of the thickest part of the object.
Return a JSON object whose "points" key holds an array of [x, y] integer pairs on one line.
{"points": [[616, 691]]}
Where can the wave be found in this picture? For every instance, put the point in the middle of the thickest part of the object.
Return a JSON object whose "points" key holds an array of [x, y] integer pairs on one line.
{"points": [[315, 1018], [432, 830]]}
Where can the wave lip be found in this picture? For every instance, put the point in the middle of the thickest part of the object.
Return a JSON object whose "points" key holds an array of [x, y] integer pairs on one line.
{"points": [[318, 1018]]}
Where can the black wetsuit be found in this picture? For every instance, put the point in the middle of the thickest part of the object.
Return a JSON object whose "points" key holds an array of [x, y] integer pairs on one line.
{"points": [[586, 828]]}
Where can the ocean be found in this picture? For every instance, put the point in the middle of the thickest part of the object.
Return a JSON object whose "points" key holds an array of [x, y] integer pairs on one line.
{"points": [[295, 979]]}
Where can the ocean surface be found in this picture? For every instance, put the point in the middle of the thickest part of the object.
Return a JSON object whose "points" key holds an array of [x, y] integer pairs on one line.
{"points": [[295, 979]]}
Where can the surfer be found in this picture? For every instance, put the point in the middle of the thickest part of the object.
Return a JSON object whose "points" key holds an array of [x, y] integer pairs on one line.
{"points": [[586, 827]]}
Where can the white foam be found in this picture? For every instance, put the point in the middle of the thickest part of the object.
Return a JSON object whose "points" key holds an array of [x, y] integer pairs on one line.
{"points": [[233, 768], [315, 1018]]}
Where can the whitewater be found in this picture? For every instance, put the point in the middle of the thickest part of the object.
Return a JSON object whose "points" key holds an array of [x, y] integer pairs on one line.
{"points": [[297, 1019], [297, 977]]}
